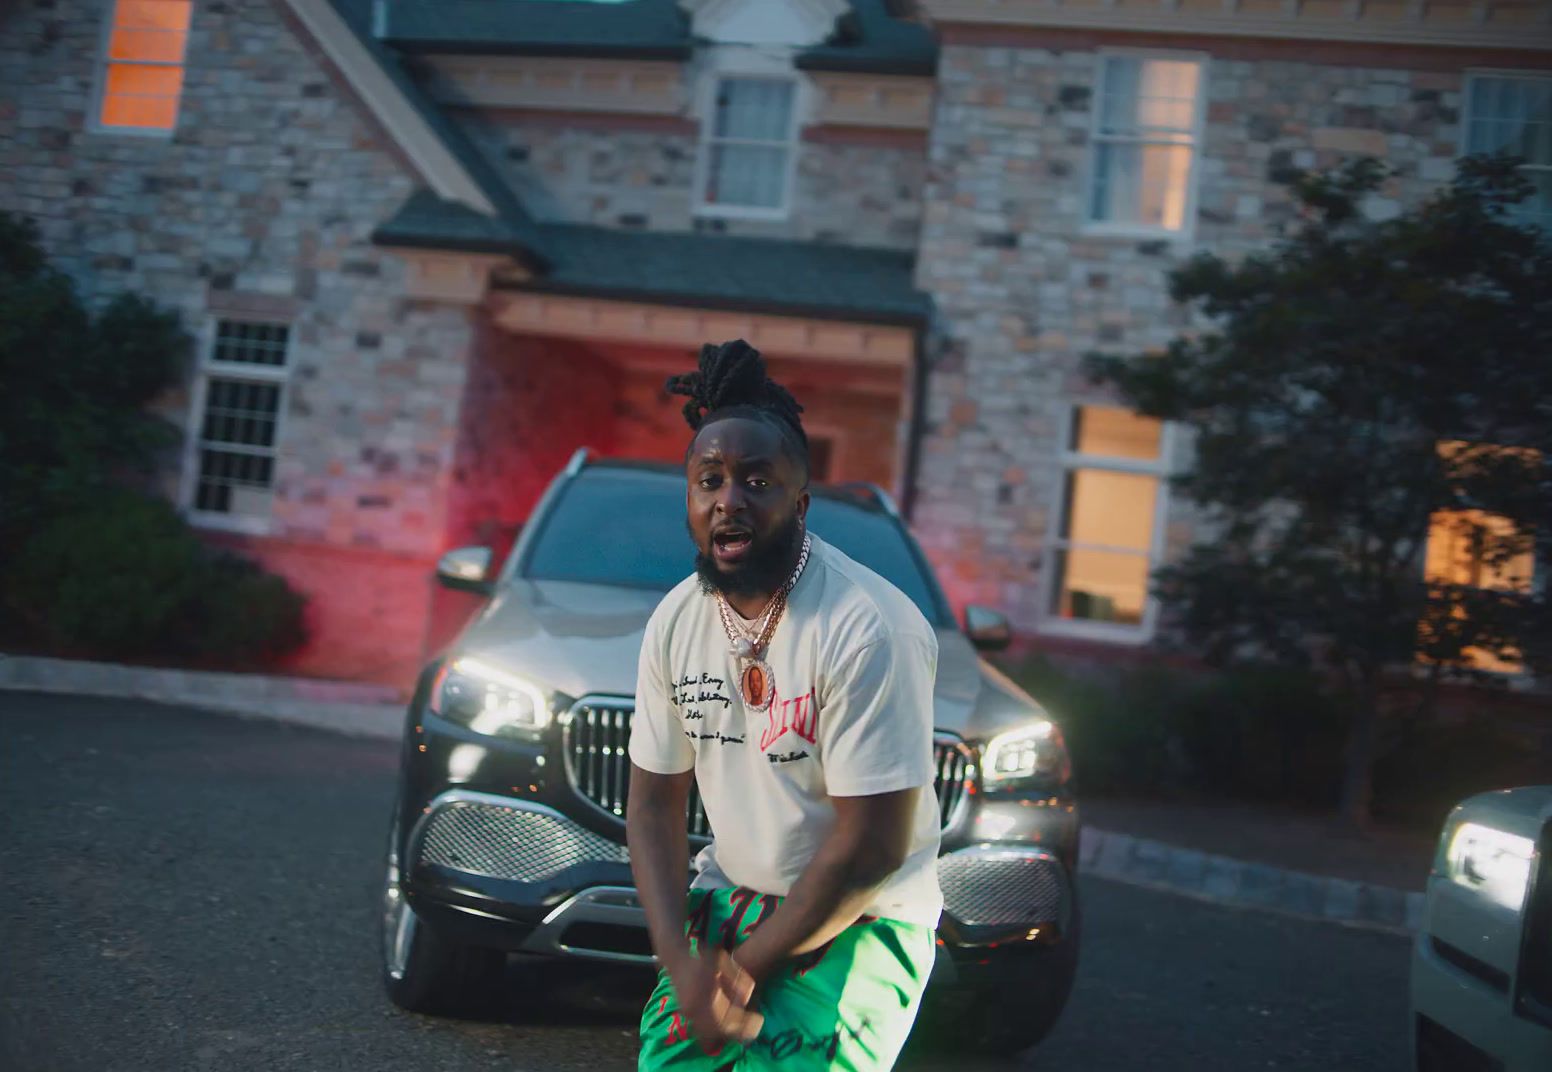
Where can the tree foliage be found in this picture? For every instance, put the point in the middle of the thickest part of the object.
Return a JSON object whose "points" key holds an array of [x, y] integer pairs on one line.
{"points": [[1352, 384], [91, 563]]}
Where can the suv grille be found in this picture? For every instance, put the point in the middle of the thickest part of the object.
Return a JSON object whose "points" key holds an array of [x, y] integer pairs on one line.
{"points": [[597, 736]]}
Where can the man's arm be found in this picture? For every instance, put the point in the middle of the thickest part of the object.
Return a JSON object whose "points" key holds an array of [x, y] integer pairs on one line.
{"points": [[868, 844], [659, 858], [711, 990]]}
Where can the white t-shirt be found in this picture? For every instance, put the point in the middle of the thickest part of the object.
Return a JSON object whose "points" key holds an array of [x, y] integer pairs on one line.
{"points": [[854, 664]]}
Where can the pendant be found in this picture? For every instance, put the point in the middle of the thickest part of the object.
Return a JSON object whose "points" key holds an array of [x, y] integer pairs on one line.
{"points": [[756, 685], [743, 647]]}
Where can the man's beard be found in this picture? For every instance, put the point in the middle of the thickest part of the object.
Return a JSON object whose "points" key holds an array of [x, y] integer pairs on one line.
{"points": [[765, 570]]}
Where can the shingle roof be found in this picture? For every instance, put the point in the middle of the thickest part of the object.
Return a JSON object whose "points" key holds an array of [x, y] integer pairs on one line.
{"points": [[867, 39], [756, 274], [806, 278], [427, 221], [561, 27], [515, 219]]}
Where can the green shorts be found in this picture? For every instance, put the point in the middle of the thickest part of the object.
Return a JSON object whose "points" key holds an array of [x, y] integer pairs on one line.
{"points": [[848, 1005]]}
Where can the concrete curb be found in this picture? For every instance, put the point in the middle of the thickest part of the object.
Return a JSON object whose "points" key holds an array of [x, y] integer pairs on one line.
{"points": [[376, 712], [1226, 881], [349, 708]]}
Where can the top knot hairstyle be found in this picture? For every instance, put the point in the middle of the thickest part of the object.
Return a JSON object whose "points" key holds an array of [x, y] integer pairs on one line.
{"points": [[731, 382]]}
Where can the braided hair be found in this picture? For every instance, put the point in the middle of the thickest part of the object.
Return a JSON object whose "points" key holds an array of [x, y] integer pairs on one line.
{"points": [[731, 382]]}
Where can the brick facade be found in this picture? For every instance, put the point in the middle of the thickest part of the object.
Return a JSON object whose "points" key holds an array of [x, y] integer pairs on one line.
{"points": [[1022, 292], [261, 205], [856, 193]]}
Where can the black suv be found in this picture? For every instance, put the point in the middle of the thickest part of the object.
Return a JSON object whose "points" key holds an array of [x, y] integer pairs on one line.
{"points": [[508, 834]]}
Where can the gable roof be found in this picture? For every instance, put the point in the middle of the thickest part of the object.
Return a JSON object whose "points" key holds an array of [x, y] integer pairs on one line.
{"points": [[868, 38], [703, 270]]}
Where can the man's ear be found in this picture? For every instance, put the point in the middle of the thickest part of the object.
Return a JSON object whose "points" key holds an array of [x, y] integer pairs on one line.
{"points": [[802, 505]]}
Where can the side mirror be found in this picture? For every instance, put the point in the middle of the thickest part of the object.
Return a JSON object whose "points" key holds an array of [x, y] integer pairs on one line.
{"points": [[988, 630], [466, 569]]}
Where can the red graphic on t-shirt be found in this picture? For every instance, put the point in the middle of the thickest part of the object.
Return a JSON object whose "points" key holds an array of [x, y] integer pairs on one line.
{"points": [[800, 715]]}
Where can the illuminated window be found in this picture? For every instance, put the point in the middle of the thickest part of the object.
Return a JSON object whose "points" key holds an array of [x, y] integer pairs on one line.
{"points": [[1146, 132], [1112, 494], [1513, 113], [142, 75], [1467, 548], [747, 148], [240, 401]]}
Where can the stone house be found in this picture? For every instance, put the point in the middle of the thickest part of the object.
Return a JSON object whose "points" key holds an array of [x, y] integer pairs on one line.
{"points": [[430, 247]]}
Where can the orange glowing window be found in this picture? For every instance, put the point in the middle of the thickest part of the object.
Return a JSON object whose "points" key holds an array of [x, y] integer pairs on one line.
{"points": [[1467, 548], [144, 64]]}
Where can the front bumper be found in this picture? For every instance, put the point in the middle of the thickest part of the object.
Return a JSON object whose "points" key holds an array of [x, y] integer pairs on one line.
{"points": [[519, 875]]}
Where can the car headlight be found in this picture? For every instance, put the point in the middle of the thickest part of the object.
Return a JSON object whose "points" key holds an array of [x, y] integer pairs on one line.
{"points": [[489, 700], [1035, 752], [1495, 863]]}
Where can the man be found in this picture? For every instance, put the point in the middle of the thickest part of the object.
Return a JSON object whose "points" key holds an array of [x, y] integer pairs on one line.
{"points": [[795, 687]]}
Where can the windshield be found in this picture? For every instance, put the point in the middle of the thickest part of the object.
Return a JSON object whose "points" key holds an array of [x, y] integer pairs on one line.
{"points": [[628, 528]]}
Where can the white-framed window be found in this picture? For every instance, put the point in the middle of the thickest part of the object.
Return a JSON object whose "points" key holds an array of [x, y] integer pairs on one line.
{"points": [[140, 76], [748, 151], [239, 400], [1513, 112], [1108, 525], [1146, 134]]}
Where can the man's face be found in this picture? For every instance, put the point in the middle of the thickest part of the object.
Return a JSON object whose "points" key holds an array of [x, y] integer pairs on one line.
{"points": [[746, 502]]}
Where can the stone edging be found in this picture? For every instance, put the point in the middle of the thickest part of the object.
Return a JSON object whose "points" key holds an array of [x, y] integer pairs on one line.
{"points": [[1227, 881], [338, 706]]}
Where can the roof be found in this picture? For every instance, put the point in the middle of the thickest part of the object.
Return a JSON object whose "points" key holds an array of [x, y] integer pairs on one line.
{"points": [[868, 39], [667, 268], [701, 270], [802, 278], [529, 247], [644, 28]]}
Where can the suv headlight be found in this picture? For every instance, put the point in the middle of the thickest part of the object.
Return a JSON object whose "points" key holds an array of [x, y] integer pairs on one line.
{"points": [[1035, 752], [489, 700], [1494, 863]]}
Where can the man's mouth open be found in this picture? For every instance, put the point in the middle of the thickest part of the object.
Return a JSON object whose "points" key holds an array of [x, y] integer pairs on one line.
{"points": [[731, 546]]}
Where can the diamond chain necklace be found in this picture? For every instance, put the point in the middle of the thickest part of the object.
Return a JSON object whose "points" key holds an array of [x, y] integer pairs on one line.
{"points": [[756, 683]]}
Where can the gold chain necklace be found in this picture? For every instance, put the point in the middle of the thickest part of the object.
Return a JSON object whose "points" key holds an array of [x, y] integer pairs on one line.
{"points": [[756, 683]]}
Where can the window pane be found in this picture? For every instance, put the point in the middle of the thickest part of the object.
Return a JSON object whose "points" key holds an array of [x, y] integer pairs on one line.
{"points": [[146, 46], [1110, 509], [135, 81], [754, 108], [1148, 95], [747, 175], [153, 14], [1141, 184], [1513, 114], [1101, 586], [251, 344], [1461, 550], [1115, 433]]}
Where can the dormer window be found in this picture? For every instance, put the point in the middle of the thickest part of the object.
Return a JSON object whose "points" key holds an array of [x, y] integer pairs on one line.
{"points": [[748, 148]]}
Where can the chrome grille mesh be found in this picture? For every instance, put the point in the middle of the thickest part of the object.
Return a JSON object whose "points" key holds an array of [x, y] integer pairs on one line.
{"points": [[598, 738], [980, 889], [510, 843]]}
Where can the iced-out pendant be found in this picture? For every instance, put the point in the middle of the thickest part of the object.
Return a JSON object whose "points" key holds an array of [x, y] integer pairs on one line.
{"points": [[756, 686]]}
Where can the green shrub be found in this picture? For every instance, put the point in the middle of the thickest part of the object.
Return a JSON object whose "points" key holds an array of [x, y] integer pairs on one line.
{"points": [[1252, 732], [125, 578]]}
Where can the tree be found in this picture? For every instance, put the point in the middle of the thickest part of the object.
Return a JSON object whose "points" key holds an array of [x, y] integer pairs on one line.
{"points": [[76, 384], [91, 563], [1356, 384]]}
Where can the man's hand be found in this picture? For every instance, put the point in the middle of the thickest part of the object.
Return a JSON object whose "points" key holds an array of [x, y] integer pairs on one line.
{"points": [[714, 995]]}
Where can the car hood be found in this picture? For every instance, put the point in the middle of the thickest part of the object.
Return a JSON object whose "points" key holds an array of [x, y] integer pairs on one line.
{"points": [[579, 639]]}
